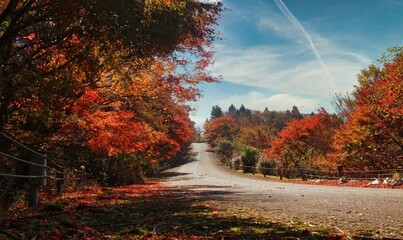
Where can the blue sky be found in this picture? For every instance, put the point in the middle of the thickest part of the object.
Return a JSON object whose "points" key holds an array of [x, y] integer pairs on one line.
{"points": [[280, 53]]}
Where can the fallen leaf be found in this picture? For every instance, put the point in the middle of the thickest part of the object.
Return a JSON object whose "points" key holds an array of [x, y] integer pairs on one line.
{"points": [[89, 229]]}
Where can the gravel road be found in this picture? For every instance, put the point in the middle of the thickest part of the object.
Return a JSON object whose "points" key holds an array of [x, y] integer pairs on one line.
{"points": [[353, 210]]}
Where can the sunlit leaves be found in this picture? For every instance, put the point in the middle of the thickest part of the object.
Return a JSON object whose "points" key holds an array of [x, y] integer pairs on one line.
{"points": [[220, 128], [112, 77], [373, 136], [304, 140], [256, 136], [115, 132]]}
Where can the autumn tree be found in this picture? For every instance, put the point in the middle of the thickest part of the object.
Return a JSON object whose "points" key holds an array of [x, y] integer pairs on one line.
{"points": [[305, 142], [60, 47], [221, 128], [344, 104], [114, 77], [157, 123], [256, 136], [372, 137]]}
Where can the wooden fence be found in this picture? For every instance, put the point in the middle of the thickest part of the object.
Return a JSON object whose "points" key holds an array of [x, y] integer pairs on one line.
{"points": [[40, 169], [306, 173]]}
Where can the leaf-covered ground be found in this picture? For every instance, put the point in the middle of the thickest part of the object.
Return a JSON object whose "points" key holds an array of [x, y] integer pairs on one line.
{"points": [[147, 211]]}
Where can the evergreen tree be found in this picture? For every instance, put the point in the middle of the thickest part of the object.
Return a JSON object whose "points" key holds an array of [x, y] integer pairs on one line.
{"points": [[215, 112], [295, 113], [242, 109], [232, 109]]}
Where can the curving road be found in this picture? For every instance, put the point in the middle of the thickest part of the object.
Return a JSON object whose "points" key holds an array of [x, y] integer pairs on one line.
{"points": [[344, 208]]}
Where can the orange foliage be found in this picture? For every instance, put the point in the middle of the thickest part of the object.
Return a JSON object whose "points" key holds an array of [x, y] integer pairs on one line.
{"points": [[256, 136], [86, 103], [115, 132], [305, 141], [109, 128], [111, 78], [220, 128], [372, 137]]}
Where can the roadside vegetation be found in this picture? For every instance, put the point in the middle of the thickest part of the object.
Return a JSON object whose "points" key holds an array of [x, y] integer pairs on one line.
{"points": [[100, 85], [364, 138]]}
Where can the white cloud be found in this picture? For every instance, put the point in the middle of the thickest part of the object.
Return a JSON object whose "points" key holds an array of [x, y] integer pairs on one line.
{"points": [[291, 69], [281, 26]]}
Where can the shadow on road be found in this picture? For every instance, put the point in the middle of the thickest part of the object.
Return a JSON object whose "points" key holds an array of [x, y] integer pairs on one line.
{"points": [[185, 157], [156, 213], [209, 192], [165, 174]]}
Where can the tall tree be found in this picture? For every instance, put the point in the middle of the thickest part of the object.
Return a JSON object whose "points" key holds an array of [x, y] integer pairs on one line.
{"points": [[295, 113], [306, 141], [51, 50], [372, 138], [231, 109], [216, 112], [257, 136], [221, 128], [242, 109], [344, 104], [112, 76]]}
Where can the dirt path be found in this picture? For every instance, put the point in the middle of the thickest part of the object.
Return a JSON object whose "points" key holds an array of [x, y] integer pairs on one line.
{"points": [[357, 211]]}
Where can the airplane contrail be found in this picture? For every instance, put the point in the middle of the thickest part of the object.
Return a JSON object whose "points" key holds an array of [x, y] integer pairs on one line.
{"points": [[287, 13]]}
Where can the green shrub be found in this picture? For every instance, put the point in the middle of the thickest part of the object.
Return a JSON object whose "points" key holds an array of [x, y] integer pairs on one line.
{"points": [[396, 176], [224, 151], [236, 163], [249, 158], [267, 166], [125, 169]]}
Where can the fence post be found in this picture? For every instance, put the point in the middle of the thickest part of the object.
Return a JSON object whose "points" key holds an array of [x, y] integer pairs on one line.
{"points": [[59, 180], [399, 170], [280, 173], [33, 195], [36, 182], [340, 171], [302, 173]]}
